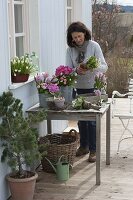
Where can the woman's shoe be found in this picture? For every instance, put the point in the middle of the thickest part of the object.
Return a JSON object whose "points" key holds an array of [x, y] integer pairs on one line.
{"points": [[92, 157], [82, 151]]}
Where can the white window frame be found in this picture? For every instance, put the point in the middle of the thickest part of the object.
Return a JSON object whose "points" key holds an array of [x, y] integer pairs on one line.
{"points": [[25, 23]]}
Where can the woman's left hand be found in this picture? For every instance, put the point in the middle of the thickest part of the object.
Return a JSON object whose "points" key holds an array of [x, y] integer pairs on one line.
{"points": [[81, 71]]}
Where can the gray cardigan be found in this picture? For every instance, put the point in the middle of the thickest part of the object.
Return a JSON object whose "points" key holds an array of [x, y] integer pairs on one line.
{"points": [[86, 81]]}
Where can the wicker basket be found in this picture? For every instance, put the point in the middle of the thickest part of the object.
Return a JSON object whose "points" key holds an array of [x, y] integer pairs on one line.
{"points": [[57, 145]]}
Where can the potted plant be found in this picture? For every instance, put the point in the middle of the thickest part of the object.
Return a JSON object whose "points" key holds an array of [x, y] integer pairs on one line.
{"points": [[22, 67], [66, 78], [59, 102], [92, 63], [100, 87], [100, 82], [47, 88], [19, 142]]}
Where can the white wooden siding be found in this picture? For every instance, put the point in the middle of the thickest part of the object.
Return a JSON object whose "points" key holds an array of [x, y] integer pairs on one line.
{"points": [[4, 53], [34, 26], [52, 34], [82, 12]]}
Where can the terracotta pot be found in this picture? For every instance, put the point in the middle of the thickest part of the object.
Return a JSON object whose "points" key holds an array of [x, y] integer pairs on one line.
{"points": [[19, 78], [22, 189]]}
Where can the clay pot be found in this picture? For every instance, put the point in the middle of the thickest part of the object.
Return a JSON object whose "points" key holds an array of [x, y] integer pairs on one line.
{"points": [[22, 188]]}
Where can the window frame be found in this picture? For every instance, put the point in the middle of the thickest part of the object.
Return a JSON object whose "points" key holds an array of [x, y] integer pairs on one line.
{"points": [[11, 26]]}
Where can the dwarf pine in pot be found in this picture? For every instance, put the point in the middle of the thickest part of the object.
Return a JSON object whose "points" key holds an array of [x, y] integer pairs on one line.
{"points": [[19, 139]]}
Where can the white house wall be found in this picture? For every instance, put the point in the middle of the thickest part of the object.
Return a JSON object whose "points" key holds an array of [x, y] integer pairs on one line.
{"points": [[82, 12], [4, 53], [87, 13], [52, 34], [34, 26]]}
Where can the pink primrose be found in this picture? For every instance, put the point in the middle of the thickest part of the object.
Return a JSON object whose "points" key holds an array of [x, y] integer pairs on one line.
{"points": [[63, 70]]}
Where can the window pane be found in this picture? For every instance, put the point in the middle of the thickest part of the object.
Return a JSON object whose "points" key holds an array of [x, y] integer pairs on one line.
{"points": [[18, 18], [69, 3], [69, 17], [19, 46]]}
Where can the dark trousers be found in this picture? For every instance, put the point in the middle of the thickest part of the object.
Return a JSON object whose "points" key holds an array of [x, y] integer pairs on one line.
{"points": [[87, 129]]}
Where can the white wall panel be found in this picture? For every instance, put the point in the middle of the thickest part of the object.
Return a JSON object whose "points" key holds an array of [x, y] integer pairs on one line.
{"points": [[4, 53], [83, 12], [34, 26], [87, 13], [52, 26]]}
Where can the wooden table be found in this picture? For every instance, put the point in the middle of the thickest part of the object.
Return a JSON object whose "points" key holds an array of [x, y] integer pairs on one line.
{"points": [[85, 115]]}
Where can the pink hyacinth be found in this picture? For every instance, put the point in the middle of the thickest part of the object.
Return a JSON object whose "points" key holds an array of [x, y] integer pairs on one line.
{"points": [[97, 92]]}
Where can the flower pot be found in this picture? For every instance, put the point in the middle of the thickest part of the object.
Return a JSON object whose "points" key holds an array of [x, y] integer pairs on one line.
{"points": [[44, 100], [22, 189], [59, 102], [50, 103], [66, 92], [19, 78]]}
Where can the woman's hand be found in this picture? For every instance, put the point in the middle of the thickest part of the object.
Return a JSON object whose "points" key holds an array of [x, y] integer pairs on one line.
{"points": [[81, 70]]}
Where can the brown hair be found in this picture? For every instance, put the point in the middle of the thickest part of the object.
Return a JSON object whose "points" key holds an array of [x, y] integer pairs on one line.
{"points": [[77, 27]]}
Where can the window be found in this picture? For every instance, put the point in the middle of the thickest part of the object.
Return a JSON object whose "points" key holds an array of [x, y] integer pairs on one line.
{"points": [[18, 27], [69, 12]]}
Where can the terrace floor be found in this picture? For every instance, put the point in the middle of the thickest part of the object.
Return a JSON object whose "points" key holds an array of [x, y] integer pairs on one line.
{"points": [[116, 179]]}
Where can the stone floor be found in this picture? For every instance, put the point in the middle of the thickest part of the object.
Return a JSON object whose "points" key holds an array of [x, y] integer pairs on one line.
{"points": [[116, 179]]}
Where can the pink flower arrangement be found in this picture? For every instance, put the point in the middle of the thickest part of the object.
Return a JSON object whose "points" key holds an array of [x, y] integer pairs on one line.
{"points": [[65, 75], [45, 84]]}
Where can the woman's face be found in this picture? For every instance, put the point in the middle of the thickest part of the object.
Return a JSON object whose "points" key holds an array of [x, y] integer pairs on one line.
{"points": [[78, 38]]}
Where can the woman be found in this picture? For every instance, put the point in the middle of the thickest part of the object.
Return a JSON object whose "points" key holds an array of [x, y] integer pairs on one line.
{"points": [[80, 48]]}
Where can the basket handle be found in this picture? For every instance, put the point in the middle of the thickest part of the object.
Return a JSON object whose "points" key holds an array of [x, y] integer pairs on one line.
{"points": [[73, 132]]}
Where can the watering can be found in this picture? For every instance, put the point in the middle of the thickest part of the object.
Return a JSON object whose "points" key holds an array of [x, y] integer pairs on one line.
{"points": [[61, 169]]}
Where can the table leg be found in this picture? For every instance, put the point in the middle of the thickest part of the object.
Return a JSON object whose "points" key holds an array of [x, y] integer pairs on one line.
{"points": [[108, 136], [49, 127], [98, 148]]}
